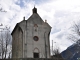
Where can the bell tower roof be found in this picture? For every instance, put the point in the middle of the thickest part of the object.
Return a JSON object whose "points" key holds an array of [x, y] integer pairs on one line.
{"points": [[34, 10]]}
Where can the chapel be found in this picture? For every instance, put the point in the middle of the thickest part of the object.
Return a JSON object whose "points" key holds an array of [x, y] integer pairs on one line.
{"points": [[30, 38]]}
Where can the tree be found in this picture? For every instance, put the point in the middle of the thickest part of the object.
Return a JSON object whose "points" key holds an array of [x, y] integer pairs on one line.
{"points": [[2, 45], [55, 51], [78, 58], [74, 36], [5, 42]]}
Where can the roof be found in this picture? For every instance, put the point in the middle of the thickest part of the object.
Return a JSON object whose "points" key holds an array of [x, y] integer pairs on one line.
{"points": [[15, 28]]}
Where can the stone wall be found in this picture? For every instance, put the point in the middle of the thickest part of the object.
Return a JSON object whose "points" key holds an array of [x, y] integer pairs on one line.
{"points": [[34, 59]]}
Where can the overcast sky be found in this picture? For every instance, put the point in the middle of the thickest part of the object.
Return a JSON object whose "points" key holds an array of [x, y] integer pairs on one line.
{"points": [[60, 14]]}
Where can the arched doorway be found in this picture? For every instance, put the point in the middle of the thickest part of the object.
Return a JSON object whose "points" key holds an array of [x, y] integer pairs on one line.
{"points": [[36, 53]]}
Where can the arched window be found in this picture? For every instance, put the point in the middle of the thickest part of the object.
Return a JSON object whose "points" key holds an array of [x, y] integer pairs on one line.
{"points": [[36, 53]]}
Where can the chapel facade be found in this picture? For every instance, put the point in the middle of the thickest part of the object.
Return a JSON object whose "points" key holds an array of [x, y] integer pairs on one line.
{"points": [[30, 38]]}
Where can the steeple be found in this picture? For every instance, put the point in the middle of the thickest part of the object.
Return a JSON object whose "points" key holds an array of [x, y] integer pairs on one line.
{"points": [[24, 18], [34, 10]]}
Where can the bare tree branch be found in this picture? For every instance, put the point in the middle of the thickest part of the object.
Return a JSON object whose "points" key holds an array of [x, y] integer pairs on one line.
{"points": [[75, 35], [5, 40], [2, 10]]}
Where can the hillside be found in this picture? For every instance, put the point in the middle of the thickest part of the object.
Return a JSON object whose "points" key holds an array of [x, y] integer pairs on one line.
{"points": [[72, 52]]}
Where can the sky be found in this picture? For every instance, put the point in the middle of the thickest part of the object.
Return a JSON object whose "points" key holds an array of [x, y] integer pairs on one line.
{"points": [[60, 14]]}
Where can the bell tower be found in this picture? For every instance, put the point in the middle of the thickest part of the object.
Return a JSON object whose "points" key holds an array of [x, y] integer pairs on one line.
{"points": [[34, 10]]}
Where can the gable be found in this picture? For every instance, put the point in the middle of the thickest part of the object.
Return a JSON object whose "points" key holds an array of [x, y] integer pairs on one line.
{"points": [[35, 19], [17, 26]]}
